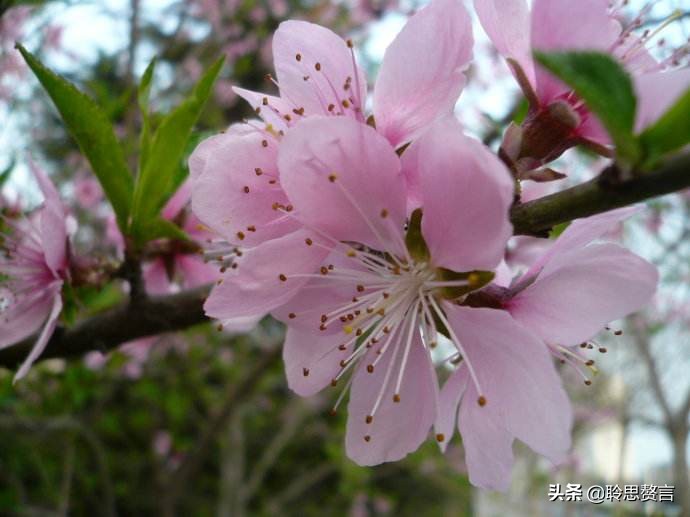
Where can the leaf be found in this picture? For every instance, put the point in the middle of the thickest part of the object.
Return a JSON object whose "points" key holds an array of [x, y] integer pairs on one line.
{"points": [[143, 100], [162, 228], [606, 88], [669, 133], [5, 173], [93, 132], [160, 176]]}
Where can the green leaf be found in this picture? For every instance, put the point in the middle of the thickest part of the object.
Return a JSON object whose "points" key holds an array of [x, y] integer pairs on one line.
{"points": [[143, 99], [606, 88], [93, 132], [161, 229], [160, 176], [5, 173], [669, 133]]}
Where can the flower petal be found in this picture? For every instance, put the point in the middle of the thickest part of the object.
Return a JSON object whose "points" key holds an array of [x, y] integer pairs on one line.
{"points": [[53, 217], [312, 360], [448, 402], [325, 61], [520, 386], [263, 279], [466, 193], [421, 75], [552, 29], [507, 23], [344, 179], [19, 321], [270, 108], [43, 339], [234, 195], [397, 428], [656, 93], [578, 293], [578, 234]]}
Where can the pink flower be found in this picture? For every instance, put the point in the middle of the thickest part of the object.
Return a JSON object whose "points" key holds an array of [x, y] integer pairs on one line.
{"points": [[557, 119], [420, 79], [574, 289], [33, 268], [178, 267], [566, 297], [358, 300], [88, 191]]}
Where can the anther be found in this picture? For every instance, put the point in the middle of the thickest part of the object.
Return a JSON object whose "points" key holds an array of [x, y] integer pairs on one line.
{"points": [[384, 213], [440, 438], [251, 228], [588, 382], [324, 270], [317, 66], [240, 235], [332, 177], [589, 363], [345, 103], [481, 401], [396, 398], [331, 107], [342, 347], [264, 101], [370, 368], [360, 288], [258, 171], [246, 189], [298, 57], [602, 350], [305, 372], [349, 43], [618, 333], [264, 143], [369, 419], [334, 382], [219, 328], [324, 318], [367, 438], [292, 315], [308, 241], [282, 277]]}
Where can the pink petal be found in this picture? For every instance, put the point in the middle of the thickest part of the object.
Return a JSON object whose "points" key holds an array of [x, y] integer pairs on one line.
{"points": [[312, 359], [656, 93], [421, 76], [178, 201], [53, 229], [578, 293], [256, 287], [466, 193], [16, 325], [521, 388], [507, 23], [194, 271], [316, 45], [43, 339], [580, 233], [448, 402], [270, 108], [344, 179], [397, 429], [156, 278], [230, 198], [553, 28]]}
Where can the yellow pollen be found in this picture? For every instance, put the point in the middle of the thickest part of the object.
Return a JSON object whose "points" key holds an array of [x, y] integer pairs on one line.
{"points": [[481, 401]]}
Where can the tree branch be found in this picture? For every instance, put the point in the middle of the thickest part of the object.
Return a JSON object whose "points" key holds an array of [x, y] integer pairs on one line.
{"points": [[148, 317], [118, 325], [601, 194]]}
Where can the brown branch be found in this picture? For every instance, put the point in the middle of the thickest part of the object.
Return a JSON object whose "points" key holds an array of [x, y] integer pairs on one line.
{"points": [[118, 325], [601, 194]]}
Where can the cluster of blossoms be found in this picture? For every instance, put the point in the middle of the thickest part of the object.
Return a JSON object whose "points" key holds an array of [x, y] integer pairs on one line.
{"points": [[370, 236]]}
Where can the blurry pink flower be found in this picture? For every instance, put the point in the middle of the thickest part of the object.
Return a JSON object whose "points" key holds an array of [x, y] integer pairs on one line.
{"points": [[88, 191], [557, 119], [33, 267], [179, 267], [348, 273]]}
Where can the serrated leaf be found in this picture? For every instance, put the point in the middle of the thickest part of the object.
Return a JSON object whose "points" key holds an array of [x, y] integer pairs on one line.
{"points": [[607, 89], [669, 133], [158, 179], [94, 134]]}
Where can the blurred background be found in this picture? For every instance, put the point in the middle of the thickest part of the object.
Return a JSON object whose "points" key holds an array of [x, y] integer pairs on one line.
{"points": [[201, 422]]}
